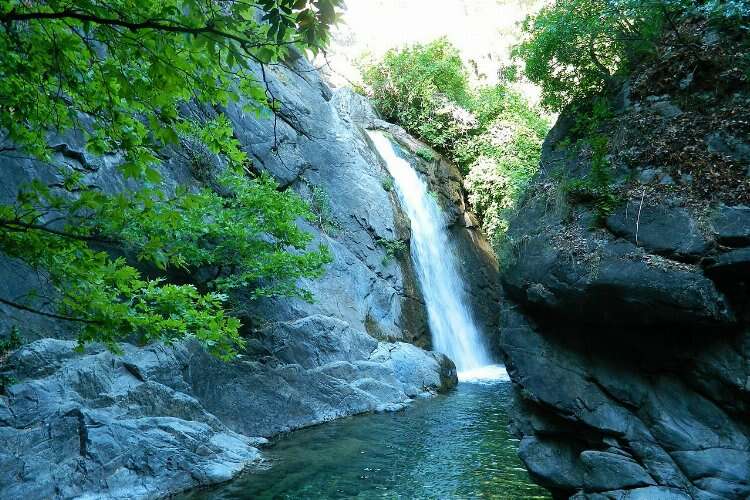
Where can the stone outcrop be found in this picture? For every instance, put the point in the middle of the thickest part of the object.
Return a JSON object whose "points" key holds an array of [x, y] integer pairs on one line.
{"points": [[157, 420], [627, 338]]}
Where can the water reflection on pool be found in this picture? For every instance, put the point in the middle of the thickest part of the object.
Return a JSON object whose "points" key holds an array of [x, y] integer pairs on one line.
{"points": [[452, 446]]}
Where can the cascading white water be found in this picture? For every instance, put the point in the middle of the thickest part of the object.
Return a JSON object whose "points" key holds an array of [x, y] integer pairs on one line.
{"points": [[454, 332]]}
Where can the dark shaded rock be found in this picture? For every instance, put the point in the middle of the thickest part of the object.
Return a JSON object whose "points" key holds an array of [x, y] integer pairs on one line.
{"points": [[552, 462], [481, 277], [733, 265], [617, 283], [732, 225], [605, 471], [660, 230], [730, 145], [720, 471], [631, 363], [647, 493], [633, 424]]}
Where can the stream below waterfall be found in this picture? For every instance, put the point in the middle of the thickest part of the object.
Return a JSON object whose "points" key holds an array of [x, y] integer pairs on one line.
{"points": [[452, 446]]}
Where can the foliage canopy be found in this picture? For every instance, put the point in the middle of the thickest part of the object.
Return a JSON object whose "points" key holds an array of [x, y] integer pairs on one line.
{"points": [[419, 87], [121, 74], [573, 48], [491, 132]]}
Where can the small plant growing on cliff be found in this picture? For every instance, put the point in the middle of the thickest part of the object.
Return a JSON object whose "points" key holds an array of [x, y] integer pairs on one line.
{"points": [[394, 249], [426, 154], [11, 342], [596, 187], [321, 207], [388, 184]]}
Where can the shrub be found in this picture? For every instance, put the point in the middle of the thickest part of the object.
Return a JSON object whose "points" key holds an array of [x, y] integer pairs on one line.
{"points": [[426, 154], [596, 188], [492, 133], [573, 48], [421, 87], [11, 342], [393, 249], [322, 210]]}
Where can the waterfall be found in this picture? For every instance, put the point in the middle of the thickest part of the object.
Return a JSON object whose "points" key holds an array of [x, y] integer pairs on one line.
{"points": [[454, 332]]}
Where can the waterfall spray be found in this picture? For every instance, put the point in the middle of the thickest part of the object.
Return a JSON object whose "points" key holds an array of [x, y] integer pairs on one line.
{"points": [[454, 332]]}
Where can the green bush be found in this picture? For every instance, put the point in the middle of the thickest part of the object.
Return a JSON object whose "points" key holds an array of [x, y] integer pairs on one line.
{"points": [[421, 88], [11, 342], [491, 133], [573, 48], [426, 154], [596, 188], [323, 211], [393, 249]]}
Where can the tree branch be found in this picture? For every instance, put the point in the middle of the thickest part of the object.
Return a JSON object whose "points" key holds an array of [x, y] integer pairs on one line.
{"points": [[47, 314], [601, 67], [16, 225], [14, 16]]}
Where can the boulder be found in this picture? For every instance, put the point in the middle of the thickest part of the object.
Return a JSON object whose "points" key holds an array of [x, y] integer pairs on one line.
{"points": [[615, 284], [604, 471], [88, 424], [732, 225]]}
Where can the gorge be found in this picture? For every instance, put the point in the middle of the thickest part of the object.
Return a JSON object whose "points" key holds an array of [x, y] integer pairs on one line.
{"points": [[224, 276]]}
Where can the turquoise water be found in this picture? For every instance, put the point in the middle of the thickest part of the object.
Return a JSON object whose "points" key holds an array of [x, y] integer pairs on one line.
{"points": [[451, 446]]}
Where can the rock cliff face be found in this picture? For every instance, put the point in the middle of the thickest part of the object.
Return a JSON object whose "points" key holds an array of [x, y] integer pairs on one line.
{"points": [[158, 420], [627, 338]]}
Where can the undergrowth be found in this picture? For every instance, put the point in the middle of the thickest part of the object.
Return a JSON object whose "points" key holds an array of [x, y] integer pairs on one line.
{"points": [[596, 187], [394, 249], [492, 134]]}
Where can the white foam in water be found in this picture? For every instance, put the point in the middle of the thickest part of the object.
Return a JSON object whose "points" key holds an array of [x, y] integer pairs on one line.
{"points": [[454, 332], [491, 374]]}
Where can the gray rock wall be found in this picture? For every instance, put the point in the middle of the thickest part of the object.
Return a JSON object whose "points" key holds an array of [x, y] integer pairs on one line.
{"points": [[627, 342], [159, 420]]}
